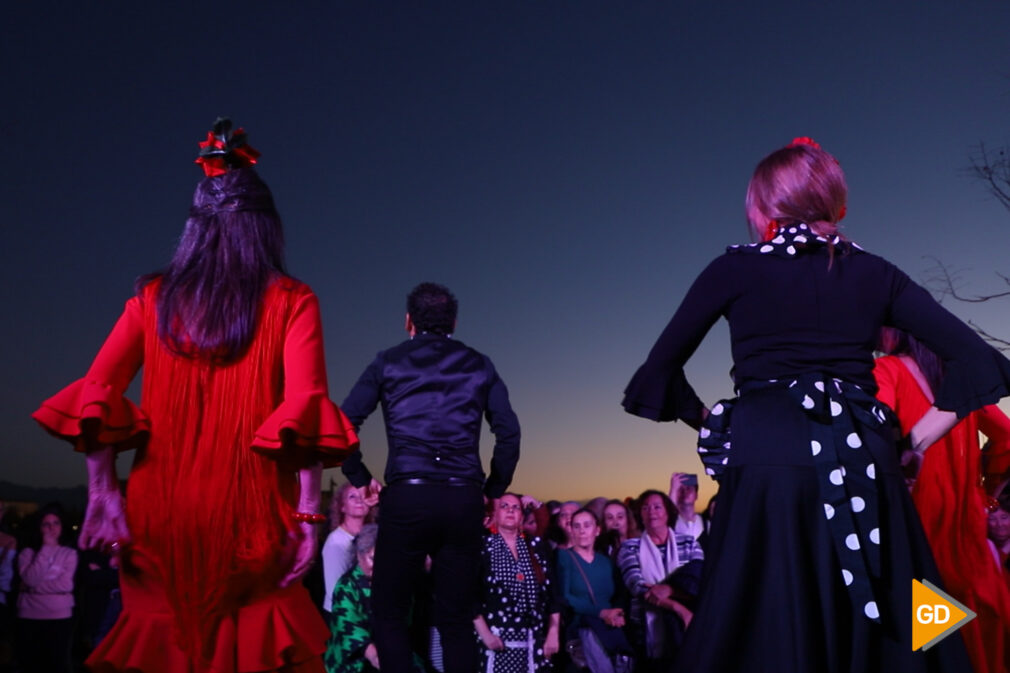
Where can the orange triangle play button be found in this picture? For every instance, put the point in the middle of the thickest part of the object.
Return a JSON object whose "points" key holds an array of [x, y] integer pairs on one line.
{"points": [[935, 615]]}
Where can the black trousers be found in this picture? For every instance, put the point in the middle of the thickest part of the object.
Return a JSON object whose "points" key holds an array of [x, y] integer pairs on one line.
{"points": [[415, 521], [44, 645]]}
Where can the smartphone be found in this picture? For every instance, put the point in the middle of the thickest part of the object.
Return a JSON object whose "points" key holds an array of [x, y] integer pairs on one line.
{"points": [[690, 480]]}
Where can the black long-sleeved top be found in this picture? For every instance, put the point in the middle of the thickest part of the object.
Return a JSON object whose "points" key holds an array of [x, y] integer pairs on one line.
{"points": [[434, 391], [788, 317]]}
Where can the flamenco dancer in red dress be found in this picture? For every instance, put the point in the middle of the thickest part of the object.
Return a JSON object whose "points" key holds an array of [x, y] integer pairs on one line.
{"points": [[234, 428], [949, 496]]}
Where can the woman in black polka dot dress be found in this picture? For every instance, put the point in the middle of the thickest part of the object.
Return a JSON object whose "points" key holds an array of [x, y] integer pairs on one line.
{"points": [[815, 541], [519, 622]]}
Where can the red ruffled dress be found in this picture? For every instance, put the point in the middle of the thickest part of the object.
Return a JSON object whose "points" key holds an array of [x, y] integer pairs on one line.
{"points": [[212, 488], [951, 504]]}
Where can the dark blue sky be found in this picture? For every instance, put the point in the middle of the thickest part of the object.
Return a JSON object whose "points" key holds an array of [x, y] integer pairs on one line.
{"points": [[567, 168]]}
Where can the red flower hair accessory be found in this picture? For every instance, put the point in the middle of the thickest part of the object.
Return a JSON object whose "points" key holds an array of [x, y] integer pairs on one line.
{"points": [[804, 140], [224, 150]]}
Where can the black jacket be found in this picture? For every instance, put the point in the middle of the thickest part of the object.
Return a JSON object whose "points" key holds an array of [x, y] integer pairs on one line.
{"points": [[434, 391]]}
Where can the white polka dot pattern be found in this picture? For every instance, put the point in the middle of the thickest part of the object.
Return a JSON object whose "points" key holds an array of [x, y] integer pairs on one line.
{"points": [[845, 469]]}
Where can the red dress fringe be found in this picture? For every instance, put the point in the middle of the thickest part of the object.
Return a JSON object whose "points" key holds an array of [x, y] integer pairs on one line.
{"points": [[211, 492]]}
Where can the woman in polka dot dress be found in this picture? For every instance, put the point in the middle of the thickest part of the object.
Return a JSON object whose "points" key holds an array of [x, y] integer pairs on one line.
{"points": [[815, 541], [519, 622]]}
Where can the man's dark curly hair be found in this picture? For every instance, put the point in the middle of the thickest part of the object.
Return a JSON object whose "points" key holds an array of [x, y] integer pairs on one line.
{"points": [[432, 308]]}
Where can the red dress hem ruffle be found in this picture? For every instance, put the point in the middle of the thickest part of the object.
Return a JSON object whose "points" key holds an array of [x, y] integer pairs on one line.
{"points": [[310, 422], [94, 412], [281, 632]]}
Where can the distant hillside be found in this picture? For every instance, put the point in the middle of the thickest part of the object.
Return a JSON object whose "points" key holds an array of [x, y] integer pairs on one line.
{"points": [[74, 498]]}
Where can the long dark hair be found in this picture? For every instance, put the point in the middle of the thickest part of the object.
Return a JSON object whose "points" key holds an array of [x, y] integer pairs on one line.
{"points": [[894, 341], [231, 248]]}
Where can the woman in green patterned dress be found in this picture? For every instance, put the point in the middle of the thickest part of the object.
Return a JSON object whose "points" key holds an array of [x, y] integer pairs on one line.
{"points": [[351, 649]]}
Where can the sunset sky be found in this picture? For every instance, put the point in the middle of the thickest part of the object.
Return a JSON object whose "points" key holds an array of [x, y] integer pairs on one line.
{"points": [[567, 168]]}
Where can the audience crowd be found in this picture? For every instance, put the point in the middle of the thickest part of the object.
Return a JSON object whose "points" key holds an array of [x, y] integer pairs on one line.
{"points": [[607, 586]]}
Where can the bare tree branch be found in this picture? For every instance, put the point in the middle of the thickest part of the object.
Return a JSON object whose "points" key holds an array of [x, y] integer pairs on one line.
{"points": [[1001, 344], [943, 282], [993, 170]]}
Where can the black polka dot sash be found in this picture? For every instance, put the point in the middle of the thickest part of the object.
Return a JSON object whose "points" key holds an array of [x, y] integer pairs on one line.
{"points": [[846, 473]]}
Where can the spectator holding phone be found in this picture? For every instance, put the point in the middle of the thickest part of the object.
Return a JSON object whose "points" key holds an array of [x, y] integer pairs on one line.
{"points": [[684, 494]]}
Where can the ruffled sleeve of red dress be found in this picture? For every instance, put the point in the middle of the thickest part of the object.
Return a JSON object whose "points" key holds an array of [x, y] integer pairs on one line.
{"points": [[93, 411], [307, 426]]}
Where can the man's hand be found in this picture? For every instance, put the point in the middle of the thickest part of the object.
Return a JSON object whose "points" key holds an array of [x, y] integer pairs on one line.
{"points": [[490, 511], [370, 493]]}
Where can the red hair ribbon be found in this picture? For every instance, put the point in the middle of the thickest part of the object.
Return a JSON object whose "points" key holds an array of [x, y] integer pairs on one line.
{"points": [[841, 213], [804, 140], [224, 150], [771, 230]]}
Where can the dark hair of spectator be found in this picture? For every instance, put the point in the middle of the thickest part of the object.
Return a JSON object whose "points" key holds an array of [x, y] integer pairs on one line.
{"points": [[432, 308], [555, 533], [586, 510], [671, 509], [34, 529]]}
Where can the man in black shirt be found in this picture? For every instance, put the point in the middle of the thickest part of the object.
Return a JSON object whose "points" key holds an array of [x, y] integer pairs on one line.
{"points": [[434, 391]]}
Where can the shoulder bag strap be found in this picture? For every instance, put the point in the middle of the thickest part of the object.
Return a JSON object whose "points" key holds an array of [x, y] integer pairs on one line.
{"points": [[585, 579]]}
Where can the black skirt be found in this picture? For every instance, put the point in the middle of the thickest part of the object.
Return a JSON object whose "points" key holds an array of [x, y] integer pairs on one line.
{"points": [[773, 598]]}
